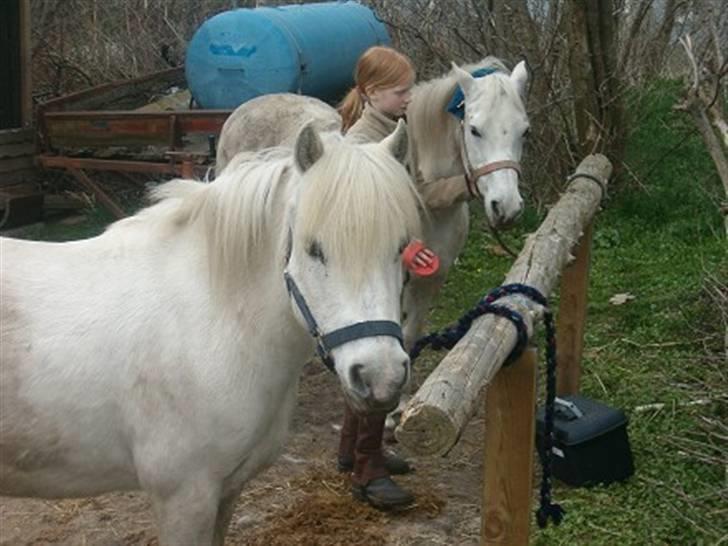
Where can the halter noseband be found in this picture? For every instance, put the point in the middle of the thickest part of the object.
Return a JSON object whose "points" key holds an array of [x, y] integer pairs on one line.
{"points": [[325, 343]]}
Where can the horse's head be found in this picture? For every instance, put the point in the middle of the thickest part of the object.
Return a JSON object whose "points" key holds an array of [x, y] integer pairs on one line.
{"points": [[493, 129], [355, 209]]}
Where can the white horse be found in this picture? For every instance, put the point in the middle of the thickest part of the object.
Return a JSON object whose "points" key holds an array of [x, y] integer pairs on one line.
{"points": [[164, 354], [485, 147]]}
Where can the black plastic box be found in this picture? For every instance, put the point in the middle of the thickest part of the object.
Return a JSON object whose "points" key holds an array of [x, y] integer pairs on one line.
{"points": [[590, 442]]}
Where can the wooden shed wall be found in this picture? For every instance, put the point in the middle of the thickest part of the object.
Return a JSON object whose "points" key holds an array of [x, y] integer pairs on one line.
{"points": [[17, 148]]}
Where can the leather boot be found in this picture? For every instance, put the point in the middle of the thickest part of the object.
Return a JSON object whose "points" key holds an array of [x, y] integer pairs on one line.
{"points": [[394, 464], [371, 481], [347, 440], [383, 493]]}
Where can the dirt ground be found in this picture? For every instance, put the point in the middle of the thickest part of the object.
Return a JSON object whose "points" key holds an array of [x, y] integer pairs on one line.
{"points": [[300, 500]]}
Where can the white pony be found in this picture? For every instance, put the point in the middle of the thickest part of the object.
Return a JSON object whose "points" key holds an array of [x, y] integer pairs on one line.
{"points": [[164, 354], [485, 147]]}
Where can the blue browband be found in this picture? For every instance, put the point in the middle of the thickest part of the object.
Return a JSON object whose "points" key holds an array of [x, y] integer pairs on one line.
{"points": [[456, 106]]}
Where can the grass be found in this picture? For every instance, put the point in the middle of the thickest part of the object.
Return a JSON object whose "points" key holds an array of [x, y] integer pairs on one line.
{"points": [[657, 240]]}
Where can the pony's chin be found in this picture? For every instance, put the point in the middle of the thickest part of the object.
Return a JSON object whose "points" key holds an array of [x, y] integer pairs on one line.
{"points": [[504, 224], [362, 406]]}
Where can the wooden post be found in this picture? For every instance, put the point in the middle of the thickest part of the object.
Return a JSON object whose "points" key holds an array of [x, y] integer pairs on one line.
{"points": [[26, 85], [510, 407], [572, 316], [188, 169]]}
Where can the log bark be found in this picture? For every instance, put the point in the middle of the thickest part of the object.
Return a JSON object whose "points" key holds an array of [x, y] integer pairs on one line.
{"points": [[435, 417]]}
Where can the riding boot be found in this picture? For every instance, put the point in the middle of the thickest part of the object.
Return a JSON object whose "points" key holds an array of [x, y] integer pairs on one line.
{"points": [[371, 481], [394, 464], [347, 440]]}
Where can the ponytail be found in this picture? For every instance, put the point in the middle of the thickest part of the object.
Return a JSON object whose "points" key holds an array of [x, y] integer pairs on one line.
{"points": [[350, 109]]}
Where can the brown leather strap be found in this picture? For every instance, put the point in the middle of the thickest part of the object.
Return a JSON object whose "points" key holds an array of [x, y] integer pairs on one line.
{"points": [[472, 186], [496, 166], [471, 179]]}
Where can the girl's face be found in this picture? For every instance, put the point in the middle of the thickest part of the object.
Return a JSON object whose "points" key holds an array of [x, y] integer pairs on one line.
{"points": [[392, 100]]}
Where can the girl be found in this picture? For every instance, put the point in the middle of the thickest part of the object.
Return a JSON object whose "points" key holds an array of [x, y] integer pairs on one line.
{"points": [[384, 79]]}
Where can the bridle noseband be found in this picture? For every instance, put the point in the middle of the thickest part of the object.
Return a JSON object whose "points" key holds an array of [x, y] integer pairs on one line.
{"points": [[325, 343]]}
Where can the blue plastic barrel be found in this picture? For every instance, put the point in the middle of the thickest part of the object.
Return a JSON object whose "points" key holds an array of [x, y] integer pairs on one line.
{"points": [[308, 48]]}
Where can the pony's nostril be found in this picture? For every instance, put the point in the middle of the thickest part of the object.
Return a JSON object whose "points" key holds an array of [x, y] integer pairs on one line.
{"points": [[356, 381], [495, 206], [407, 371]]}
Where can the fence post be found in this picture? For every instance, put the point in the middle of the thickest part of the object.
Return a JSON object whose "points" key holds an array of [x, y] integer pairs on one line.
{"points": [[510, 404], [572, 316]]}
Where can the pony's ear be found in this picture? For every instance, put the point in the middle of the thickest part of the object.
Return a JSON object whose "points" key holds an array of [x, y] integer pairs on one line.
{"points": [[397, 143], [464, 78], [308, 148], [519, 77]]}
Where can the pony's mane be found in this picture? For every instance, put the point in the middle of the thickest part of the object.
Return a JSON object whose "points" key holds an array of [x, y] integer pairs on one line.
{"points": [[356, 200]]}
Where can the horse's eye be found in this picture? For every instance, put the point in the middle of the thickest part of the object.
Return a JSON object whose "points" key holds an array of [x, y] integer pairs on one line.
{"points": [[314, 250], [402, 246], [527, 132], [475, 132]]}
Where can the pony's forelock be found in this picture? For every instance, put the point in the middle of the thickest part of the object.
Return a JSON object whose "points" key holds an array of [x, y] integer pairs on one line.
{"points": [[359, 204]]}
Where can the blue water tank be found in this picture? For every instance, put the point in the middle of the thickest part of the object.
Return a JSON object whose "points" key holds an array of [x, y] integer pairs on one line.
{"points": [[308, 48]]}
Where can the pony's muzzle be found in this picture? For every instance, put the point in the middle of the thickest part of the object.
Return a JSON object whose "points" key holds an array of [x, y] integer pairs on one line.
{"points": [[504, 214], [376, 385]]}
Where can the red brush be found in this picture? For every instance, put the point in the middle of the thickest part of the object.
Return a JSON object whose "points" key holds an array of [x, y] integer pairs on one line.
{"points": [[421, 270]]}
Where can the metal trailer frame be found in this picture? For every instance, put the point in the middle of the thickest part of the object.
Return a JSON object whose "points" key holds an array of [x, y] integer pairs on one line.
{"points": [[75, 121]]}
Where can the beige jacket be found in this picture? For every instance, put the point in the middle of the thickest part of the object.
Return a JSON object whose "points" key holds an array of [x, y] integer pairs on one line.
{"points": [[374, 126]]}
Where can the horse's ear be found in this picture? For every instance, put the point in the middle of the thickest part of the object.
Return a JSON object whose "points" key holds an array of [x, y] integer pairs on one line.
{"points": [[308, 148], [397, 143], [519, 77], [464, 78]]}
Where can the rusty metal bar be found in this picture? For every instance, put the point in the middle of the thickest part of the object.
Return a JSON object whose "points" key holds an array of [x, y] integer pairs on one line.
{"points": [[119, 128], [63, 162], [101, 196]]}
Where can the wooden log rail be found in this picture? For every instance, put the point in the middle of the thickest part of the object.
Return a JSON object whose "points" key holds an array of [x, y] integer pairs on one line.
{"points": [[435, 417]]}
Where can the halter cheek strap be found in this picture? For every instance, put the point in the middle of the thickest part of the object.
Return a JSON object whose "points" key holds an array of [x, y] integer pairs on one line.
{"points": [[325, 343]]}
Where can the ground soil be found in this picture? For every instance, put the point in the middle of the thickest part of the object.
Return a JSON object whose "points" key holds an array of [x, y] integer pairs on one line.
{"points": [[300, 500]]}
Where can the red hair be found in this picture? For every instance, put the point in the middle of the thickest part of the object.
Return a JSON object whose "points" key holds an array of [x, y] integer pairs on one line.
{"points": [[379, 67]]}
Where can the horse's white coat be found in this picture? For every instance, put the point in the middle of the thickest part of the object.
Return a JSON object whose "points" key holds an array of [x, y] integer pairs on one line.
{"points": [[164, 354]]}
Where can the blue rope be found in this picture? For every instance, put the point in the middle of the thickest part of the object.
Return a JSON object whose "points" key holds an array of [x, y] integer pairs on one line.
{"points": [[449, 337]]}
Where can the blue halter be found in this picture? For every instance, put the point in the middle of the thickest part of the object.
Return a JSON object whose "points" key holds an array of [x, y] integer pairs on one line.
{"points": [[456, 106]]}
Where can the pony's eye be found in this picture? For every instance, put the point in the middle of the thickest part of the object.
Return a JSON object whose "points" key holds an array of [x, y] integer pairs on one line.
{"points": [[475, 132], [314, 250], [402, 246], [527, 132]]}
